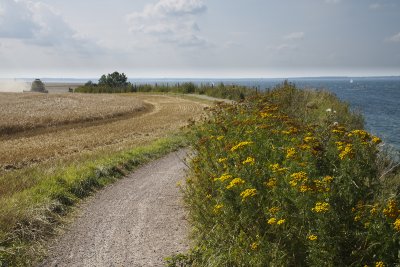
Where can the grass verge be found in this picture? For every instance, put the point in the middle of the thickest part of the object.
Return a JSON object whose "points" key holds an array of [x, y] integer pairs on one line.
{"points": [[29, 217]]}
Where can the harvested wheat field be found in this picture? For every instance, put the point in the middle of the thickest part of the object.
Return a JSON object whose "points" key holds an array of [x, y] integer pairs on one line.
{"points": [[36, 127]]}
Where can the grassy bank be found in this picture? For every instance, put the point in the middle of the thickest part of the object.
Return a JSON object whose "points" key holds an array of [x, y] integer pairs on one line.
{"points": [[290, 178], [29, 217]]}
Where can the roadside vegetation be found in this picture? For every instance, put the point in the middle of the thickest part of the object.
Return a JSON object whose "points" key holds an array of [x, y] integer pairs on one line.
{"points": [[290, 178]]}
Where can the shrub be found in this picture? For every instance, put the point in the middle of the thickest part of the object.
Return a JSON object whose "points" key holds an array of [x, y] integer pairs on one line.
{"points": [[272, 184]]}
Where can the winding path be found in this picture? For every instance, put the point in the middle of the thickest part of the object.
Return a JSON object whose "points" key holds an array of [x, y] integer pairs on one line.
{"points": [[137, 221]]}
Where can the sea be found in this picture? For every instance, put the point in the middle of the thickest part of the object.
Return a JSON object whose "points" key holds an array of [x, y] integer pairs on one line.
{"points": [[377, 98]]}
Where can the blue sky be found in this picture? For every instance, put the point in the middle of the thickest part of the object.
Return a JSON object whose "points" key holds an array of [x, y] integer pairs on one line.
{"points": [[199, 38]]}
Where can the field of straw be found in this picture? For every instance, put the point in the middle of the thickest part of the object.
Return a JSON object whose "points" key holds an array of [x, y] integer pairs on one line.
{"points": [[41, 127]]}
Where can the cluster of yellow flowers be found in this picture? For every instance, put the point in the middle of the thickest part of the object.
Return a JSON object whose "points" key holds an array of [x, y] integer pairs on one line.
{"points": [[254, 246], [298, 177], [218, 207], [223, 177], [273, 220], [396, 225], [347, 151], [290, 152], [265, 115], [321, 207], [364, 135], [249, 160], [391, 211], [312, 237], [276, 168], [248, 193], [271, 183], [240, 145], [222, 160], [235, 182]]}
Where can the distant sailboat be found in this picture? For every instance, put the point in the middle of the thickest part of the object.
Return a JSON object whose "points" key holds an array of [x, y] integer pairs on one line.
{"points": [[351, 80]]}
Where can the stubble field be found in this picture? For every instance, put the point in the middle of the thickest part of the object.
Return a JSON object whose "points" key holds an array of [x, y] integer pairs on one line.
{"points": [[37, 127]]}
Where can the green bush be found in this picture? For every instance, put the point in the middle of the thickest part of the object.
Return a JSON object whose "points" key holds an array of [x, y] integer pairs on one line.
{"points": [[276, 182]]}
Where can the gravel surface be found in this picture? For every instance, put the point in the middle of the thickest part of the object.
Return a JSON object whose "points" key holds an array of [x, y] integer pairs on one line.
{"points": [[137, 221]]}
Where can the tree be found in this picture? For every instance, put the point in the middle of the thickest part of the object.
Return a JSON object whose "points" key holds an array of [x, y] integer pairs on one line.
{"points": [[114, 79]]}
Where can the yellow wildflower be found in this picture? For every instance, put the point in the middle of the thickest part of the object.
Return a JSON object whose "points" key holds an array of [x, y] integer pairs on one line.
{"points": [[219, 138], [347, 151], [374, 210], [254, 246], [357, 218], [223, 177], [391, 210], [321, 207], [218, 207], [240, 145], [271, 182], [376, 140], [309, 139], [248, 193], [396, 225], [379, 264], [222, 160], [281, 221], [298, 177], [249, 160], [265, 114], [303, 188], [337, 131], [312, 237], [290, 152], [274, 210], [208, 196], [276, 168], [327, 179], [293, 183], [304, 147], [272, 221], [235, 182]]}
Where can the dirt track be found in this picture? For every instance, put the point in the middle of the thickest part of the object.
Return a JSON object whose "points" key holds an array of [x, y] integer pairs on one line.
{"points": [[135, 222]]}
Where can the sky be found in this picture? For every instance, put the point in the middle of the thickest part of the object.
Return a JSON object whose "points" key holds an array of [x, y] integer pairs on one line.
{"points": [[199, 38]]}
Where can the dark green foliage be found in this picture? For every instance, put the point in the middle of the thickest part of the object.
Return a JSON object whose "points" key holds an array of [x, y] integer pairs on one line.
{"points": [[233, 92], [114, 80]]}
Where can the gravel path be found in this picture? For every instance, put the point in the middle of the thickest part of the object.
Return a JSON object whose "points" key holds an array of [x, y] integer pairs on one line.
{"points": [[137, 221]]}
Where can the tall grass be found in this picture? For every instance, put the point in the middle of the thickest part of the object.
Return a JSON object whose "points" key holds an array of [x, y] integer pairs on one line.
{"points": [[289, 178], [29, 215]]}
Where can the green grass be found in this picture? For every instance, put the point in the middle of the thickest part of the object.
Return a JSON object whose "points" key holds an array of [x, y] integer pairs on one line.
{"points": [[290, 178], [29, 217]]}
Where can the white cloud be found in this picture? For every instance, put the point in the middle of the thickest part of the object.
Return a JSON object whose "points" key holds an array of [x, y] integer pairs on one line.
{"points": [[16, 20], [294, 36], [37, 23], [170, 21], [394, 38]]}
